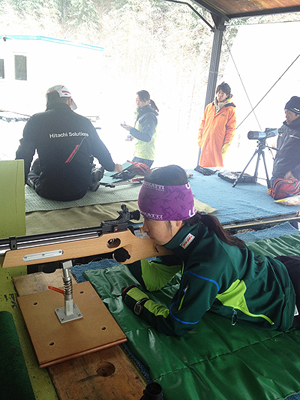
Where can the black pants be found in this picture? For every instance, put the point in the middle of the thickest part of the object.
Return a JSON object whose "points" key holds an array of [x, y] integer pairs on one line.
{"points": [[34, 174], [292, 264]]}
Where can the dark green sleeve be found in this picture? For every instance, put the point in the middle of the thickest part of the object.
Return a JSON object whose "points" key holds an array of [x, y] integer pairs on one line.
{"points": [[155, 274], [192, 300]]}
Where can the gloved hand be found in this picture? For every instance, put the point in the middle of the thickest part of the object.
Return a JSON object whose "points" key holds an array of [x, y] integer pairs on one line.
{"points": [[134, 298], [121, 255], [225, 148], [125, 290]]}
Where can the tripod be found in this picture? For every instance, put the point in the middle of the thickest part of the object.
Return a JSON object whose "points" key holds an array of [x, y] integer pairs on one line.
{"points": [[259, 152]]}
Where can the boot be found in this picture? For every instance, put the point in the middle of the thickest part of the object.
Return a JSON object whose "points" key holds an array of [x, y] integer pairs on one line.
{"points": [[96, 176]]}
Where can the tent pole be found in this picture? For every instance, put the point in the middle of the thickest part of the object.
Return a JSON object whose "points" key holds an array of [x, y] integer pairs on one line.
{"points": [[214, 62]]}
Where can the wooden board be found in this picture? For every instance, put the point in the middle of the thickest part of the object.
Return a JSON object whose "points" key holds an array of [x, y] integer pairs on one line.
{"points": [[88, 376], [12, 204], [38, 282], [12, 210], [54, 342], [104, 375], [12, 217]]}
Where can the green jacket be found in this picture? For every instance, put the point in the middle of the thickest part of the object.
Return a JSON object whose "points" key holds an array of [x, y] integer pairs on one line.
{"points": [[144, 132], [227, 280]]}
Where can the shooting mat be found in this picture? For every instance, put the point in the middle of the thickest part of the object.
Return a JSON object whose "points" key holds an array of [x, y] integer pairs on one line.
{"points": [[215, 360]]}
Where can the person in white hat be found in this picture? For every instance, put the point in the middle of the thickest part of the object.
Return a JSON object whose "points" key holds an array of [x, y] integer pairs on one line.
{"points": [[66, 144]]}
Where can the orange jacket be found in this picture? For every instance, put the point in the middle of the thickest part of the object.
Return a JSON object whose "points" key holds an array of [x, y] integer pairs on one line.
{"points": [[215, 131]]}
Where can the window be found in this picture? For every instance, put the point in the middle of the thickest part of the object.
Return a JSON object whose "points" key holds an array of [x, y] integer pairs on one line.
{"points": [[20, 68], [2, 72]]}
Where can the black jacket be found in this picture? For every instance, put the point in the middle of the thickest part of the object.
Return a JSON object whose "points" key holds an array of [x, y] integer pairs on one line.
{"points": [[288, 154], [65, 142]]}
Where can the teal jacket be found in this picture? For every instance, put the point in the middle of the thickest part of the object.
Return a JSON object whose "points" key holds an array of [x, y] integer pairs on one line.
{"points": [[230, 281], [145, 133]]}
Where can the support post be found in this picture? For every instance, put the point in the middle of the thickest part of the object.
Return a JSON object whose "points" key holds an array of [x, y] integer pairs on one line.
{"points": [[214, 62]]}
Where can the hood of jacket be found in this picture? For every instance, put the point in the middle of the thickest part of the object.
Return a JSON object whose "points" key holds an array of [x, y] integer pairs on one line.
{"points": [[145, 110]]}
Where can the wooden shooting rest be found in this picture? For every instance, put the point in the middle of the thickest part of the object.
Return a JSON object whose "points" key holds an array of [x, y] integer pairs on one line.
{"points": [[55, 342], [103, 374], [72, 351]]}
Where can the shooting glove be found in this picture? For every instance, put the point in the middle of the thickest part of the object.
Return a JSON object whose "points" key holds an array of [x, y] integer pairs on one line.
{"points": [[134, 298], [225, 148]]}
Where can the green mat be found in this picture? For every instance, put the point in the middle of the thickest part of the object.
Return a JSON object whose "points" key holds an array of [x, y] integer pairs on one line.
{"points": [[215, 361], [14, 380], [104, 195]]}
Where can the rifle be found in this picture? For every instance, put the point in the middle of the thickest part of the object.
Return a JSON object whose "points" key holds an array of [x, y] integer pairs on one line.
{"points": [[78, 243]]}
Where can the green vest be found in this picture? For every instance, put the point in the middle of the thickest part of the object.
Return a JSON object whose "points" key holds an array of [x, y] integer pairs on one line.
{"points": [[142, 149]]}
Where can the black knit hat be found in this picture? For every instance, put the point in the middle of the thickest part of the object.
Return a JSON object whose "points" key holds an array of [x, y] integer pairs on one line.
{"points": [[293, 105]]}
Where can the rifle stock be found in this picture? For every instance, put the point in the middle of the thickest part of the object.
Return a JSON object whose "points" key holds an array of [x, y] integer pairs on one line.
{"points": [[138, 248], [68, 245]]}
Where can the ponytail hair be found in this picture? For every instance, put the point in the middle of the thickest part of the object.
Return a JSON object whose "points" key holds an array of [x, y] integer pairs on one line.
{"points": [[173, 175], [153, 106], [214, 225]]}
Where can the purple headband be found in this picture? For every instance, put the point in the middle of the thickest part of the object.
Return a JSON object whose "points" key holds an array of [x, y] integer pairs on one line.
{"points": [[166, 203]]}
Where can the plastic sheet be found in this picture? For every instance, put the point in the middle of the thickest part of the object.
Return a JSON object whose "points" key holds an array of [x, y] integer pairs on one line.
{"points": [[215, 360]]}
